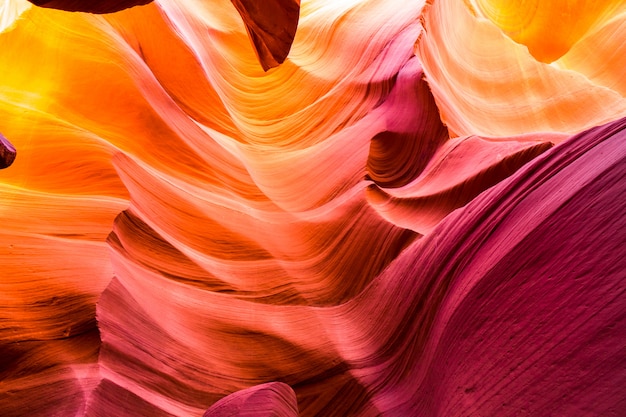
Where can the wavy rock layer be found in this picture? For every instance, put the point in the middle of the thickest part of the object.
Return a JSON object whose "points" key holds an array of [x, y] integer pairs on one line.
{"points": [[309, 240], [500, 310], [487, 84], [271, 26]]}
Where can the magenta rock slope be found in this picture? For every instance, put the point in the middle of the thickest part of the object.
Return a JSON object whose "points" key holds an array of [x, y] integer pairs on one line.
{"points": [[514, 304]]}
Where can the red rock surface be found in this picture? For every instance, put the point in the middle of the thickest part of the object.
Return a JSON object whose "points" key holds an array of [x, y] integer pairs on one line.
{"points": [[271, 25]]}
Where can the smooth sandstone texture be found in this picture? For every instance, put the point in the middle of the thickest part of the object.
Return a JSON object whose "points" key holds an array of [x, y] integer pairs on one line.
{"points": [[404, 218]]}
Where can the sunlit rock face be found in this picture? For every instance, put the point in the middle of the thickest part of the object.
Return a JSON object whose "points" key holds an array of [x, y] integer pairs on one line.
{"points": [[406, 209], [492, 77], [549, 31]]}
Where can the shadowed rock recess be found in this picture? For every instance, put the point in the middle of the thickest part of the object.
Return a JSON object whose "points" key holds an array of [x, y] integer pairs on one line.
{"points": [[7, 152], [90, 6]]}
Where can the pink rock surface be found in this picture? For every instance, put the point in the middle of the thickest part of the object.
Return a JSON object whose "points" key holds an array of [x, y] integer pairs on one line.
{"points": [[273, 399]]}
